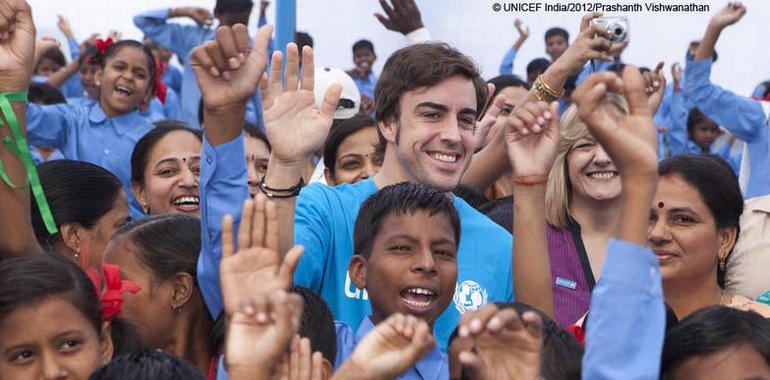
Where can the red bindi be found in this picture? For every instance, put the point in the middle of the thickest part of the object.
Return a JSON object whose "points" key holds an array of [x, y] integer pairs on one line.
{"points": [[661, 205]]}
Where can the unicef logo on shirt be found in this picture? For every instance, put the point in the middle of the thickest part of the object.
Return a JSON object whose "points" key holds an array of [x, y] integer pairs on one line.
{"points": [[469, 295]]}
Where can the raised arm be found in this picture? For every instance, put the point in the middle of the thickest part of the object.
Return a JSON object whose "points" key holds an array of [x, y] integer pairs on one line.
{"points": [[532, 136], [742, 116], [17, 48], [296, 128], [227, 73], [180, 39], [506, 66], [626, 321]]}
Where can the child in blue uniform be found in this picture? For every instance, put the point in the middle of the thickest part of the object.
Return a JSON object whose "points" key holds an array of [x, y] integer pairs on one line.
{"points": [[105, 132]]}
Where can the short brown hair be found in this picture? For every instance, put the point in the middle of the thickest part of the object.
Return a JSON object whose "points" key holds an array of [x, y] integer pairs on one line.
{"points": [[421, 65]]}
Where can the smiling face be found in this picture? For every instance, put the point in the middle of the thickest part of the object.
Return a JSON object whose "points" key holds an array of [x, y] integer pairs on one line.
{"points": [[172, 175], [257, 158], [124, 81], [433, 140], [555, 46], [149, 309], [683, 233], [355, 158], [364, 59], [412, 268], [591, 172], [50, 339]]}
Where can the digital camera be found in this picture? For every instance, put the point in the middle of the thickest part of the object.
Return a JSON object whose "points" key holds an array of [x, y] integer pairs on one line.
{"points": [[616, 26]]}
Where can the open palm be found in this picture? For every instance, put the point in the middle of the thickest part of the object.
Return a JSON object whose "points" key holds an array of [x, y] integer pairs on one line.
{"points": [[295, 125], [256, 267], [17, 50]]}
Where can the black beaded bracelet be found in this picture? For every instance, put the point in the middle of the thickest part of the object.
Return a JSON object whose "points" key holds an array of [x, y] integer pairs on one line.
{"points": [[271, 192]]}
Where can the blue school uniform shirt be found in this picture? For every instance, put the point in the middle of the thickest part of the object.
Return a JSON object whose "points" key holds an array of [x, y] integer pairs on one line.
{"points": [[433, 366], [182, 39], [506, 65], [171, 110], [173, 78], [743, 117], [628, 316], [366, 86], [85, 133], [324, 220]]}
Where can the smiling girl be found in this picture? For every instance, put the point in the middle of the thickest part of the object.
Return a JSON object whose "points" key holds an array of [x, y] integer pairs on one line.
{"points": [[105, 132]]}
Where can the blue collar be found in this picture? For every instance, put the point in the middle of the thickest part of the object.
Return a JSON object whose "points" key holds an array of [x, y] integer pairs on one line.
{"points": [[122, 124], [429, 367]]}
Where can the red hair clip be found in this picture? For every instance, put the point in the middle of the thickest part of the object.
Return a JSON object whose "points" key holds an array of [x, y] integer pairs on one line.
{"points": [[102, 45], [160, 87], [111, 297]]}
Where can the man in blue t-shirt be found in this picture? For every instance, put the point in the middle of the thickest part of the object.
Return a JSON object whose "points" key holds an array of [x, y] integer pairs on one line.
{"points": [[426, 116]]}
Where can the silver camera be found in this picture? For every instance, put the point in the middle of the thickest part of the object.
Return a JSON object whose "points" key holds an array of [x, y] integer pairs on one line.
{"points": [[616, 26]]}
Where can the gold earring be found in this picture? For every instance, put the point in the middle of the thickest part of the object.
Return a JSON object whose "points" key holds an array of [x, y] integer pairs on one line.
{"points": [[722, 263]]}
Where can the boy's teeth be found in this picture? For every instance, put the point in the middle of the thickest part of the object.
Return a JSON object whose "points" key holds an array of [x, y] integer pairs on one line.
{"points": [[444, 157], [417, 303], [421, 291]]}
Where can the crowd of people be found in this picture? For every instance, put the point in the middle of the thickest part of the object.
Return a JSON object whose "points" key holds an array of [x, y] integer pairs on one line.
{"points": [[255, 216]]}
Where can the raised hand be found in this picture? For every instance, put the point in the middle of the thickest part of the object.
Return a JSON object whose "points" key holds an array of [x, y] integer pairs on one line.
{"points": [[585, 21], [394, 346], [201, 16], [484, 126], [257, 264], [506, 346], [401, 16], [655, 87], [227, 71], [532, 136], [64, 26], [676, 74], [521, 28], [630, 140], [17, 45], [295, 126], [259, 332], [586, 47], [730, 14]]}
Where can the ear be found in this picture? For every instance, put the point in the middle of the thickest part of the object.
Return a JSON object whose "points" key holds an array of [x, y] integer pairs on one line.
{"points": [[357, 271], [72, 235], [329, 179], [105, 343], [98, 74], [327, 370], [389, 129], [727, 237], [183, 289], [140, 195]]}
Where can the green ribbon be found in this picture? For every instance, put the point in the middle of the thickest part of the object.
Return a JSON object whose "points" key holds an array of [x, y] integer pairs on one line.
{"points": [[20, 148]]}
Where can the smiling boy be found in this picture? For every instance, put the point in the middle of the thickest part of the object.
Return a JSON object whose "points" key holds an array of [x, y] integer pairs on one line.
{"points": [[406, 238]]}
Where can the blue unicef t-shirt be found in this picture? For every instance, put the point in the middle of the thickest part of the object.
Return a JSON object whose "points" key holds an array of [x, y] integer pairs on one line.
{"points": [[324, 222]]}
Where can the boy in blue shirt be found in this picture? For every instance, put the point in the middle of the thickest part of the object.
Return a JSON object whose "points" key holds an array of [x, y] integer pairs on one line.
{"points": [[406, 240]]}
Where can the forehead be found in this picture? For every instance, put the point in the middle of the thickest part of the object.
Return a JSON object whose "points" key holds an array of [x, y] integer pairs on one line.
{"points": [[361, 141], [514, 94], [132, 55], [556, 38], [44, 319], [255, 146], [419, 225], [456, 92], [176, 144], [675, 192]]}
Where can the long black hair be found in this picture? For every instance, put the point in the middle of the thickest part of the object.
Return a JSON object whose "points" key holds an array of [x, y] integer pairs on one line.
{"points": [[77, 192]]}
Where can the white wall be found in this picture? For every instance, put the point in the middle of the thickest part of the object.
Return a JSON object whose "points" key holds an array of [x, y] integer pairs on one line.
{"points": [[470, 25]]}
